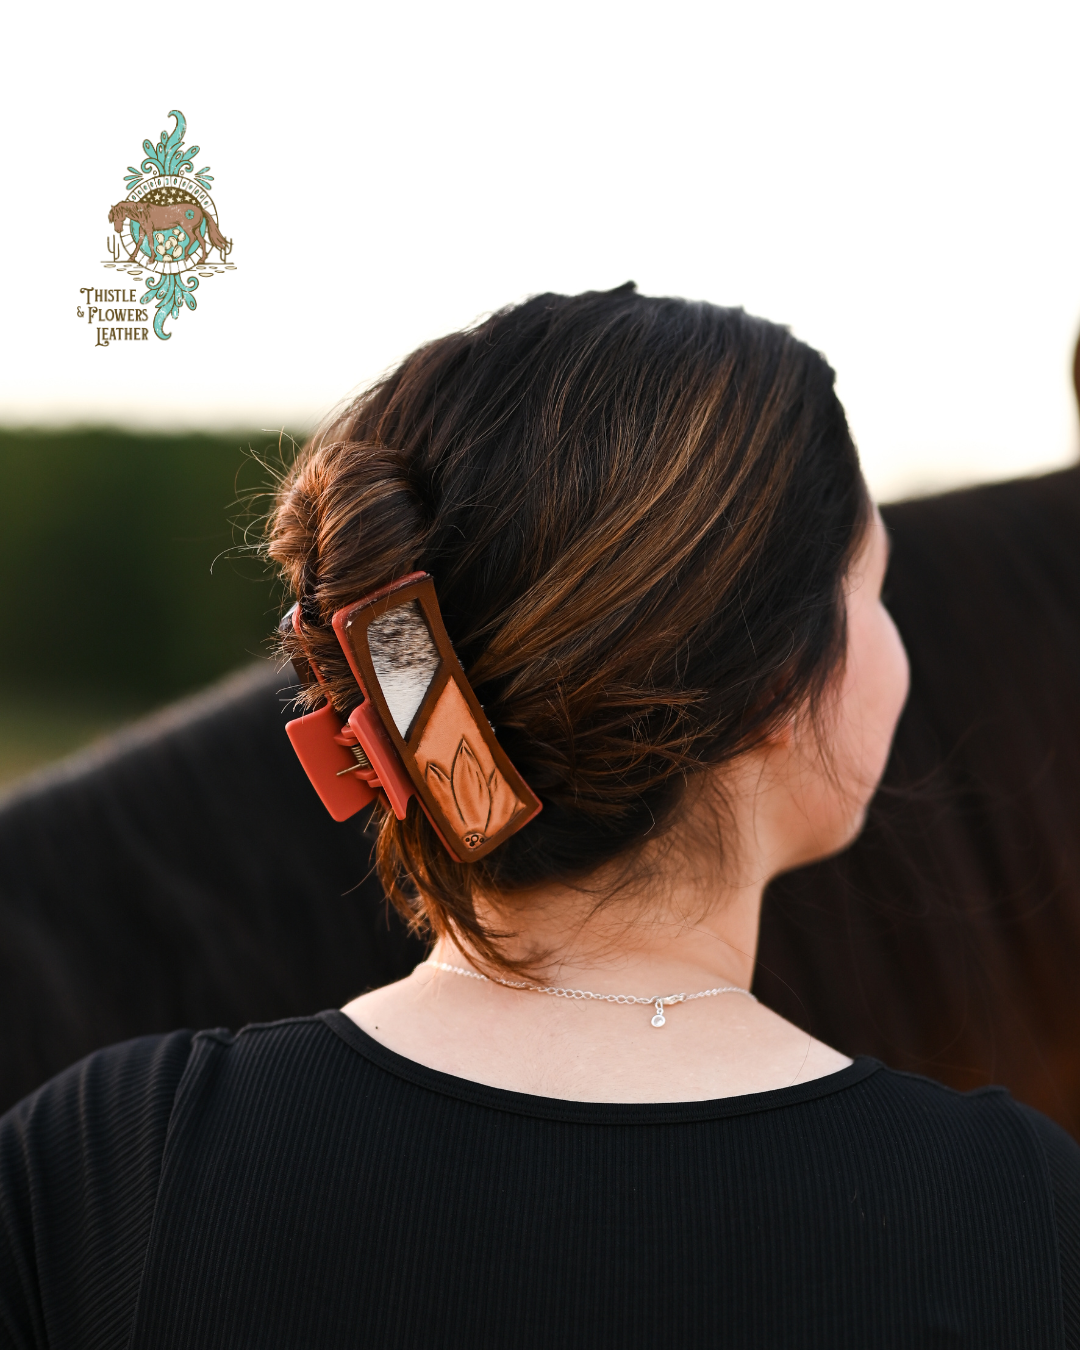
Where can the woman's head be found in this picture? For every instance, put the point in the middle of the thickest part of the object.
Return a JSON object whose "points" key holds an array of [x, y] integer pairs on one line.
{"points": [[640, 515]]}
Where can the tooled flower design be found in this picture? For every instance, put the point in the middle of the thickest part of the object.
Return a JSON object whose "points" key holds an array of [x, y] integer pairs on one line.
{"points": [[482, 804]]}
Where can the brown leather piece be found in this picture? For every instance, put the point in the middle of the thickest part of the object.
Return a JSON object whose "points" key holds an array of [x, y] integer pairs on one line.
{"points": [[461, 772], [468, 788]]}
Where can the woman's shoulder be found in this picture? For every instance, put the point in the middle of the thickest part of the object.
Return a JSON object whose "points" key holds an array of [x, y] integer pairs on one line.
{"points": [[128, 1087], [1062, 1154], [116, 1104], [127, 1091], [987, 1129], [81, 1163], [1018, 1158], [980, 1113], [80, 1160]]}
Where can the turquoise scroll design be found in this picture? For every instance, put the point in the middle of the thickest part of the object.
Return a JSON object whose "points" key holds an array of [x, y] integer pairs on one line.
{"points": [[170, 292], [169, 156]]}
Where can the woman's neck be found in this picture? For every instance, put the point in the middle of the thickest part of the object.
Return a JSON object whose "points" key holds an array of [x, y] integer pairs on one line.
{"points": [[671, 934], [676, 925], [683, 910]]}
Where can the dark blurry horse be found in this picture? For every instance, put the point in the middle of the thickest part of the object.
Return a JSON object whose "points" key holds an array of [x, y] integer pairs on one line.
{"points": [[181, 874], [947, 940]]}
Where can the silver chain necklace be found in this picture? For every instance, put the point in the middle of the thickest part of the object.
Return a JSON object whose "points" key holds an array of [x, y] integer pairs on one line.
{"points": [[557, 991]]}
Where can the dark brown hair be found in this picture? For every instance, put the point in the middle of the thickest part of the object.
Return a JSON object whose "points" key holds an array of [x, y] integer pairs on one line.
{"points": [[638, 513]]}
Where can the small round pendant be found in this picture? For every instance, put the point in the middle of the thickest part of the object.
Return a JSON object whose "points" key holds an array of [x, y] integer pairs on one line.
{"points": [[659, 1020]]}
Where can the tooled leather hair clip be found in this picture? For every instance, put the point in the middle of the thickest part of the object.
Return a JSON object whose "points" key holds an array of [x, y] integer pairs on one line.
{"points": [[420, 731]]}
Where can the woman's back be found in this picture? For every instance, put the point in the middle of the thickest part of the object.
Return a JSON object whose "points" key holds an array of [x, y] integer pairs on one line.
{"points": [[301, 1185]]}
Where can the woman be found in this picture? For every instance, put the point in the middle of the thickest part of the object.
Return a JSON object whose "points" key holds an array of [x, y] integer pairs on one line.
{"points": [[643, 524]]}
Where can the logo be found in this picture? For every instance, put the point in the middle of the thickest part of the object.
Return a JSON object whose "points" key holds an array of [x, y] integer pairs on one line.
{"points": [[166, 233]]}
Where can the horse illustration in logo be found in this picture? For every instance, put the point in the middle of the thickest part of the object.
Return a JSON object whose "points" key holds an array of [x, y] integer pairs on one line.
{"points": [[162, 219]]}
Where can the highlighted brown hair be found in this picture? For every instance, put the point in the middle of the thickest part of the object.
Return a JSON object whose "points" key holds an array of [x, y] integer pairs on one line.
{"points": [[638, 513]]}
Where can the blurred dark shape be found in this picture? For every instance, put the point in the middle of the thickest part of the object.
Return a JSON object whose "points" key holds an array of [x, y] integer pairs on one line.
{"points": [[1076, 371], [111, 553], [182, 874], [947, 940], [186, 874]]}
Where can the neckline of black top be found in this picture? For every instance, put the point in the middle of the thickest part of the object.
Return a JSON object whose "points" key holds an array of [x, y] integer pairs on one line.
{"points": [[592, 1113]]}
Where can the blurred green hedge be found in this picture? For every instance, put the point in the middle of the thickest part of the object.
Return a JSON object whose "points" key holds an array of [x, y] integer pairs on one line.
{"points": [[121, 562]]}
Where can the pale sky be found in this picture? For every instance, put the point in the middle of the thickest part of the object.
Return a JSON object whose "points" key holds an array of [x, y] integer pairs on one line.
{"points": [[899, 184]]}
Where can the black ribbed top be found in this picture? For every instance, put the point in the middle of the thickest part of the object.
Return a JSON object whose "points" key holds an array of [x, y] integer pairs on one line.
{"points": [[299, 1185]]}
